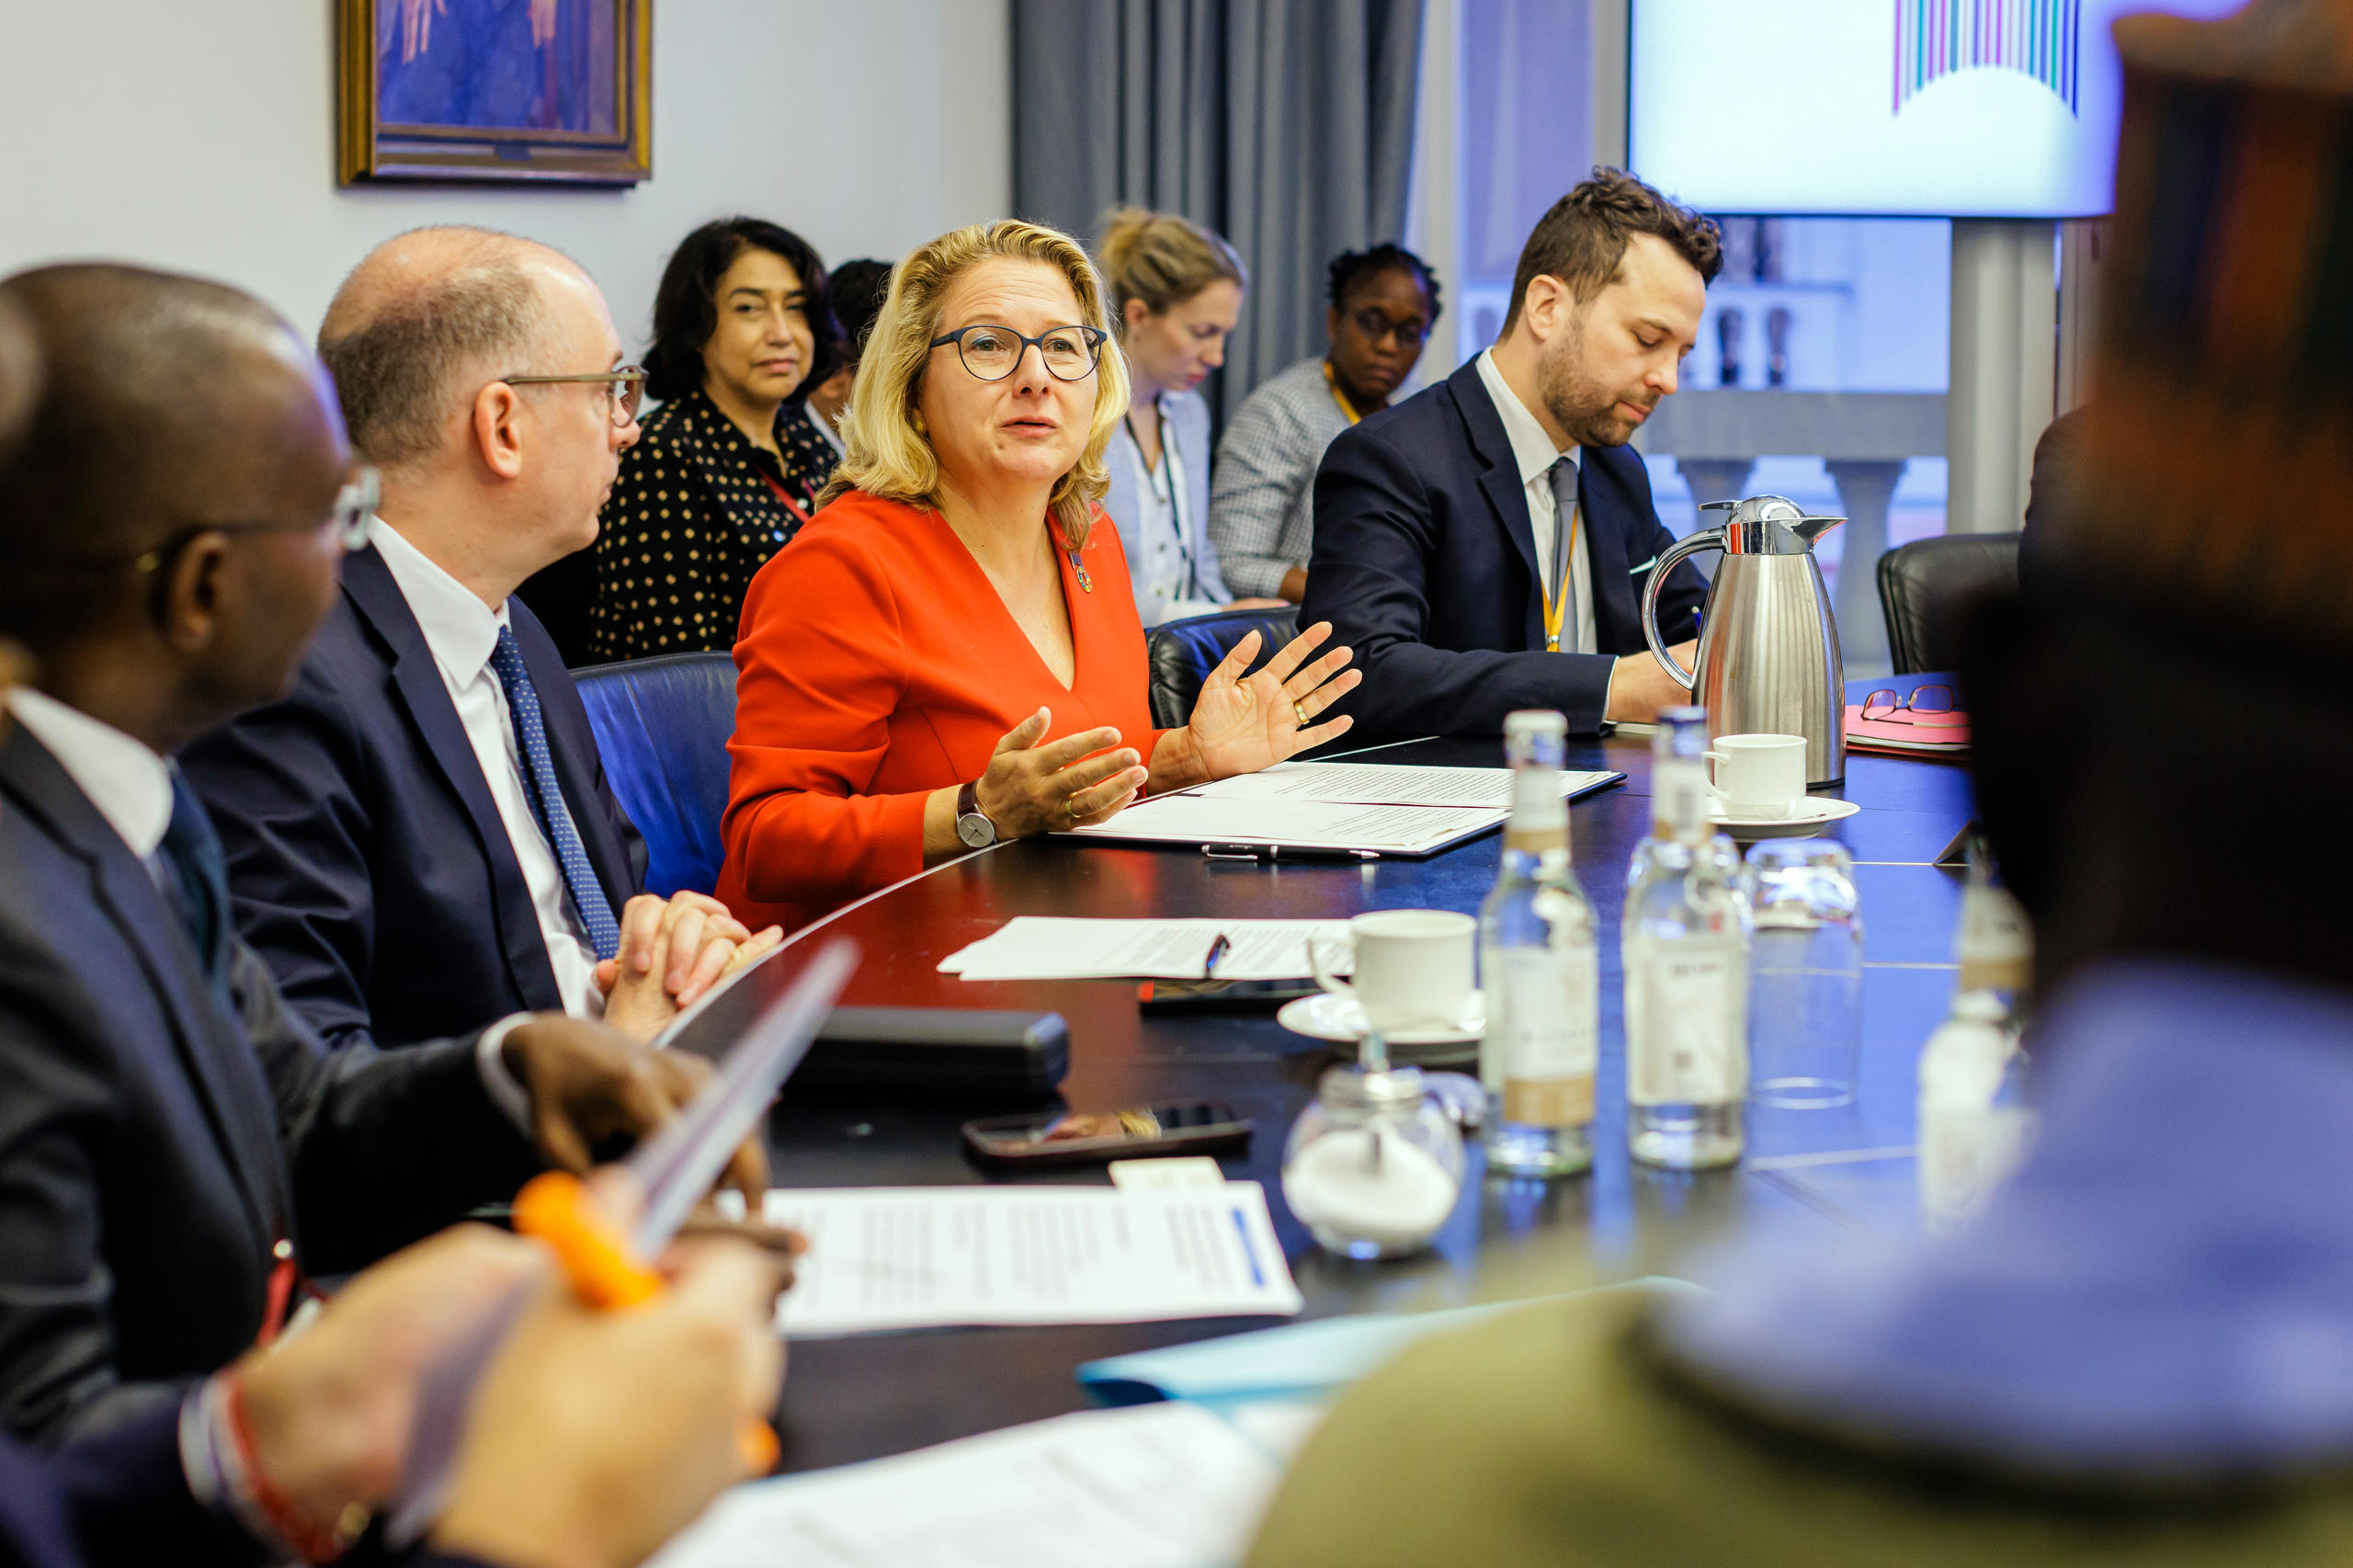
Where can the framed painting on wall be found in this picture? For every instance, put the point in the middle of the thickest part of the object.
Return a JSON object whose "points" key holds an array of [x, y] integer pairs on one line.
{"points": [[532, 90]]}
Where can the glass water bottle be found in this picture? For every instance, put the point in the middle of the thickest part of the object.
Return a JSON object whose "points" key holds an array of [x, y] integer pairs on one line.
{"points": [[1686, 947], [1539, 966]]}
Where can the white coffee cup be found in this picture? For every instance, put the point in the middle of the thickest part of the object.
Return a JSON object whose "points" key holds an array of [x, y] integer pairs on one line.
{"points": [[1758, 776], [1413, 967]]}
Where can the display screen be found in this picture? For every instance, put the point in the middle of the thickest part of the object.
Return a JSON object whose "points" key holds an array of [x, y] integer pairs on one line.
{"points": [[1942, 108]]}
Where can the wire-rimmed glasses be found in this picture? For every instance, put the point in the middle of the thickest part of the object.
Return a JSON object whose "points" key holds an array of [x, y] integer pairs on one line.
{"points": [[990, 353], [624, 387], [346, 523], [1931, 702]]}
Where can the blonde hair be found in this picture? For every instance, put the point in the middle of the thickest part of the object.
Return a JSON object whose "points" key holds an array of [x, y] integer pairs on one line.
{"points": [[891, 457], [1163, 260]]}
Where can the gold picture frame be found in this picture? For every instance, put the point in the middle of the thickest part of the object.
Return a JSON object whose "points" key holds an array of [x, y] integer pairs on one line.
{"points": [[531, 91]]}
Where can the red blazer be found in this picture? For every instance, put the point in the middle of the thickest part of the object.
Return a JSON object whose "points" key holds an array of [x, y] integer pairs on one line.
{"points": [[875, 663]]}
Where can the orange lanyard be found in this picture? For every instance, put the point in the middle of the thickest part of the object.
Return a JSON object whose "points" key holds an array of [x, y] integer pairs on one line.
{"points": [[1332, 385], [1556, 592]]}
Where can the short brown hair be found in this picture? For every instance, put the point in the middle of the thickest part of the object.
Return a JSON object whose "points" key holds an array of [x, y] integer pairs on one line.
{"points": [[1582, 241], [404, 333]]}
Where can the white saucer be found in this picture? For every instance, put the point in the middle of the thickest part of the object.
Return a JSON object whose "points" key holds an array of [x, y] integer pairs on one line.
{"points": [[1813, 811], [1341, 1020]]}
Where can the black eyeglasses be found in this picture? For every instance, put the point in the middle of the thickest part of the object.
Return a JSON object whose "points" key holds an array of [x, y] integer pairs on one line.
{"points": [[624, 387], [991, 353], [347, 523], [1922, 699], [1376, 326]]}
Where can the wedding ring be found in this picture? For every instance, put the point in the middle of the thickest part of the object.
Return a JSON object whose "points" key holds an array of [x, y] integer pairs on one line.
{"points": [[1071, 807], [1300, 712]]}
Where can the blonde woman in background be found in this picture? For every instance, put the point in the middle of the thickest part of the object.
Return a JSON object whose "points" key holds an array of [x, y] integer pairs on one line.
{"points": [[1175, 295], [947, 656]]}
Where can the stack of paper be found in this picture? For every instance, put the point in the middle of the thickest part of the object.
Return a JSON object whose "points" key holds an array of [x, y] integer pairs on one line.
{"points": [[1377, 809], [1040, 946], [934, 1256], [1158, 1486]]}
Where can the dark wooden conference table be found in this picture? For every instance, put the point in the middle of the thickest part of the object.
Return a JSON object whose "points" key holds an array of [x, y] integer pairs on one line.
{"points": [[863, 1397]]}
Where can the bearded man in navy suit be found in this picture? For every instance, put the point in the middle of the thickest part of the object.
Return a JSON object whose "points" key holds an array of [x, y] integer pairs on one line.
{"points": [[1485, 545]]}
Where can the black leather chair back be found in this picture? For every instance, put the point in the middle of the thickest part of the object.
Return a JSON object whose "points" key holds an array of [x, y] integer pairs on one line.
{"points": [[661, 728], [1181, 653], [1922, 583]]}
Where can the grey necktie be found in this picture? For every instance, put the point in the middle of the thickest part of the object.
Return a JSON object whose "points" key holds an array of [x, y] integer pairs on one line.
{"points": [[1563, 475]]}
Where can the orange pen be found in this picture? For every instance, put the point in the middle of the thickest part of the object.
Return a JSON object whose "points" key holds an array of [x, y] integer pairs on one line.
{"points": [[610, 1267]]}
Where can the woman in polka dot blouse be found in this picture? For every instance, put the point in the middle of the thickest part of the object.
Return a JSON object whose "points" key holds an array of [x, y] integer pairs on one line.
{"points": [[727, 470]]}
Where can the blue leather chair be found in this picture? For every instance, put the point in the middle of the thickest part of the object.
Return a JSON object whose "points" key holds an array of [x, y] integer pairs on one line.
{"points": [[661, 728], [1181, 653]]}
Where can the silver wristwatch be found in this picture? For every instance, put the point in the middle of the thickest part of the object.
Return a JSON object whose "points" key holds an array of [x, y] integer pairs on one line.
{"points": [[973, 824]]}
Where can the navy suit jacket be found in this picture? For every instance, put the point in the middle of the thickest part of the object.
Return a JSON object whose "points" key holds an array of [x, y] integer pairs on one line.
{"points": [[153, 1148], [120, 1500], [368, 861], [1425, 564]]}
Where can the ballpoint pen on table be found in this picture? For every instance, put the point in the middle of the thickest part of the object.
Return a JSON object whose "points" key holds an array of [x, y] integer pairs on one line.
{"points": [[1265, 853], [1218, 949], [608, 1268]]}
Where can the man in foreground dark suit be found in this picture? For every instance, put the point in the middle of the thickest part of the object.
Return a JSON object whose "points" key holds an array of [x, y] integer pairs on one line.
{"points": [[177, 1148], [420, 836], [1483, 545]]}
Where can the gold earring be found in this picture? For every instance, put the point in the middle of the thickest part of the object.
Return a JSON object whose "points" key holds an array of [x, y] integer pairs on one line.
{"points": [[921, 428]]}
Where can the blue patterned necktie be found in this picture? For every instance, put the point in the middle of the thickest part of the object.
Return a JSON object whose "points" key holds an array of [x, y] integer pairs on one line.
{"points": [[198, 885], [547, 797]]}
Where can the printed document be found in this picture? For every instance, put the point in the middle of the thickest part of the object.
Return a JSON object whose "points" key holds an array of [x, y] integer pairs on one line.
{"points": [[1053, 946], [932, 1257], [1154, 1486], [1384, 784], [1196, 818]]}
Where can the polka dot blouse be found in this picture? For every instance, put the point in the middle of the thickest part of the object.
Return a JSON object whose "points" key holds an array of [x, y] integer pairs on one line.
{"points": [[694, 514]]}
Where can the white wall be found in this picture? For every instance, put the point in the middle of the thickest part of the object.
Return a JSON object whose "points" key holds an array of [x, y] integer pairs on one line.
{"points": [[200, 137]]}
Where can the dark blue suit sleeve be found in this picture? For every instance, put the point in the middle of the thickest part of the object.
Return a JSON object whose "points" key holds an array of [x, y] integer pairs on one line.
{"points": [[1377, 548], [278, 785], [385, 1146], [128, 1498]]}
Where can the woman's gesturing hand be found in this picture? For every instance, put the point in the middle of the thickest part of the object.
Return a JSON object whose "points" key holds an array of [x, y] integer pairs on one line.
{"points": [[1241, 726], [1033, 788]]}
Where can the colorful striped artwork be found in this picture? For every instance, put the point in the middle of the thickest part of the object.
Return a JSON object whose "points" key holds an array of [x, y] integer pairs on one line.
{"points": [[1935, 37]]}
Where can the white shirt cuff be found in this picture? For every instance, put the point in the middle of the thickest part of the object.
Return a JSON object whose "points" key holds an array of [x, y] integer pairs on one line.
{"points": [[498, 1082]]}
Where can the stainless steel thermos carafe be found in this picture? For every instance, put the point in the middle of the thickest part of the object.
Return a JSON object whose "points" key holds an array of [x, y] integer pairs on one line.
{"points": [[1769, 645]]}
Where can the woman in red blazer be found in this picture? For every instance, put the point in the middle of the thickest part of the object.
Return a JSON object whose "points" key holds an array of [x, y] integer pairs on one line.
{"points": [[948, 653]]}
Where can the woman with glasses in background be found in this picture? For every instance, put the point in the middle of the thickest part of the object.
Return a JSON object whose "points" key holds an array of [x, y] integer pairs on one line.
{"points": [[728, 469], [1176, 296], [1262, 508], [950, 654]]}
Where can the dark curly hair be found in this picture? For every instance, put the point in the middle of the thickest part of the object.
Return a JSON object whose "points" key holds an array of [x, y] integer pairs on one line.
{"points": [[1583, 239], [1351, 267], [685, 312]]}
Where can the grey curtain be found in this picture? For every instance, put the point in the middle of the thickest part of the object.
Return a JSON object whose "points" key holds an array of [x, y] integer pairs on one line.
{"points": [[1285, 125]]}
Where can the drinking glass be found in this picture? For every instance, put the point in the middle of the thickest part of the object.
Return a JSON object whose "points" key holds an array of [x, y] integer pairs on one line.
{"points": [[1805, 998]]}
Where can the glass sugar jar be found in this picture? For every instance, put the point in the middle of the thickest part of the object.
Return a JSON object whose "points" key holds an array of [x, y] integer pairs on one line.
{"points": [[1374, 1167]]}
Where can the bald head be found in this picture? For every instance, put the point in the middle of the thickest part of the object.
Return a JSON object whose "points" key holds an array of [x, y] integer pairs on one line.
{"points": [[428, 317], [168, 402], [20, 378]]}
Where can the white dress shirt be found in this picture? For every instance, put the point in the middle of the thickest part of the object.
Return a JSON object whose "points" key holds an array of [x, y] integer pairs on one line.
{"points": [[132, 787], [462, 632], [1535, 454]]}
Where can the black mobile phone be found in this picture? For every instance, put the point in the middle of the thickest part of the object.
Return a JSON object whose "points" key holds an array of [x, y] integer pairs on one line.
{"points": [[1192, 1127], [1234, 996]]}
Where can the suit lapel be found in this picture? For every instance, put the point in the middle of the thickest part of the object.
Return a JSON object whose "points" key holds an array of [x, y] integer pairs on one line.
{"points": [[368, 584], [211, 1049], [1499, 479]]}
